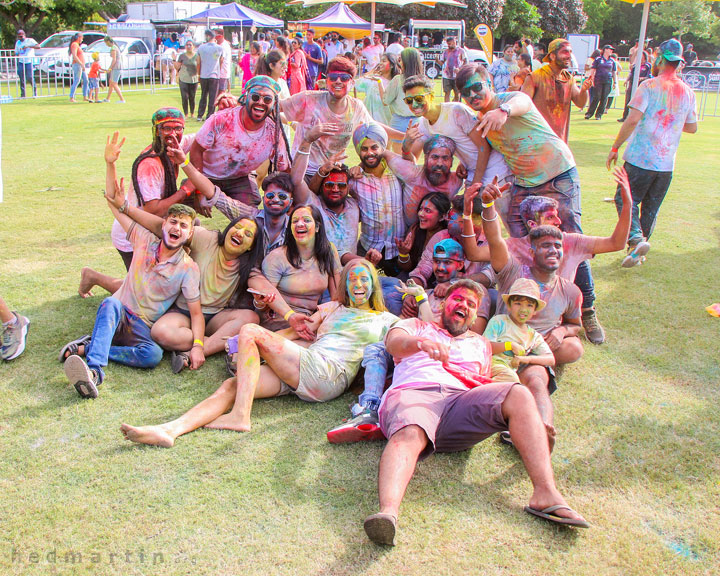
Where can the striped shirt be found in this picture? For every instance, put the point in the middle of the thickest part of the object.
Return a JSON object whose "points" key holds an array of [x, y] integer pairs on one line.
{"points": [[381, 211]]}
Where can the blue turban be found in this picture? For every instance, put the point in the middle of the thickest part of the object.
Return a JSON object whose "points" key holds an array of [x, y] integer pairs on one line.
{"points": [[438, 141], [371, 130]]}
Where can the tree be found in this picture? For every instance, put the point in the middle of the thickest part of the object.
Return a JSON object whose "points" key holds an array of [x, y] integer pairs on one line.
{"points": [[520, 20], [561, 17], [598, 13], [683, 16]]}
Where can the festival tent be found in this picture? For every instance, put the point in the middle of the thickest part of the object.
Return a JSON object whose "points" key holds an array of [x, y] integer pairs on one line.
{"points": [[235, 15], [339, 18], [373, 27]]}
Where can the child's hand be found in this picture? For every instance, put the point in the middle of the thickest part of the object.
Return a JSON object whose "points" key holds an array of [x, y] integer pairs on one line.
{"points": [[518, 350], [515, 362]]}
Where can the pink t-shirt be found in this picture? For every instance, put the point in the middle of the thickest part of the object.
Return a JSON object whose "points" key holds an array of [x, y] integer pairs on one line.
{"points": [[231, 151], [576, 248], [470, 352]]}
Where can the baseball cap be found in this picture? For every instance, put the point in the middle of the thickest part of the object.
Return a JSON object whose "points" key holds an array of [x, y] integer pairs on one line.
{"points": [[608, 47], [448, 249], [671, 50], [298, 35], [554, 46]]}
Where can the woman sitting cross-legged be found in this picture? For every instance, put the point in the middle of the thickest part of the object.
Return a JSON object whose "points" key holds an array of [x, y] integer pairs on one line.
{"points": [[323, 371]]}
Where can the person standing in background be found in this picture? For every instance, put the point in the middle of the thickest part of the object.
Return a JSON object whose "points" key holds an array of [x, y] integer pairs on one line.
{"points": [[603, 73], [225, 63], [210, 55], [25, 51], [77, 59], [313, 55], [187, 67]]}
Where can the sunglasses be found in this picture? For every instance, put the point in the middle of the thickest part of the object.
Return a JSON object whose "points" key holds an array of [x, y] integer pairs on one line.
{"points": [[265, 98], [476, 88], [419, 99], [338, 185], [342, 76], [282, 196]]}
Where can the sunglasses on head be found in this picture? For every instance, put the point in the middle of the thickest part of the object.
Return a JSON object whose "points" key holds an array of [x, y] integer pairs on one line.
{"points": [[282, 196], [476, 88], [342, 76], [418, 99], [255, 97], [331, 185]]}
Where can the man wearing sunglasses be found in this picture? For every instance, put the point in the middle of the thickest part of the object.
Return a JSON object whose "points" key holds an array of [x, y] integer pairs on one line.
{"points": [[234, 142], [541, 161]]}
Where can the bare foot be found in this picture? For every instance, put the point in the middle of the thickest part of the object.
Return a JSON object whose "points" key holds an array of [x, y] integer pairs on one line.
{"points": [[228, 422], [86, 283], [551, 433], [151, 435]]}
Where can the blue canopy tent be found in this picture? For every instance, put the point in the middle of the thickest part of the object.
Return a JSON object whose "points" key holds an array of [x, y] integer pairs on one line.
{"points": [[235, 15]]}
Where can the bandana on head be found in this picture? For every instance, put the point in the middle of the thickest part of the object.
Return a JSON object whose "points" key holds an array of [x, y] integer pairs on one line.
{"points": [[438, 141], [262, 82], [372, 131], [168, 115]]}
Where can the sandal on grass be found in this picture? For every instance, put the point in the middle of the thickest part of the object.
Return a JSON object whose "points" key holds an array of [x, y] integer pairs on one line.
{"points": [[71, 348], [548, 514], [178, 361]]}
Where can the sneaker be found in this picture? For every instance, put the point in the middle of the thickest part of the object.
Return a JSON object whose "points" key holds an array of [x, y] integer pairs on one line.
{"points": [[81, 377], [178, 361], [636, 254], [593, 330], [362, 428], [381, 528], [14, 337]]}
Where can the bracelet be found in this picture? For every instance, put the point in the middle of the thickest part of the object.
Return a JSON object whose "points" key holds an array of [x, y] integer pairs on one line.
{"points": [[613, 149], [259, 305], [404, 260], [321, 174], [421, 301], [186, 162], [467, 235], [489, 219], [124, 207], [403, 255], [197, 342], [420, 297], [302, 152], [468, 216], [288, 314], [508, 346], [488, 204]]}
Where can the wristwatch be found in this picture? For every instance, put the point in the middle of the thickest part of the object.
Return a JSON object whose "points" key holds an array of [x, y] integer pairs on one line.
{"points": [[505, 108]]}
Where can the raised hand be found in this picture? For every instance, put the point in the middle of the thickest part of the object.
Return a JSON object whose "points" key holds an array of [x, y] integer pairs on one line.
{"points": [[491, 122], [113, 148], [411, 289], [323, 129], [405, 244], [492, 192], [116, 197]]}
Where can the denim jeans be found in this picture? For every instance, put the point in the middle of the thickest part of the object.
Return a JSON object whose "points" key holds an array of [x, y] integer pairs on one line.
{"points": [[25, 74], [121, 336], [392, 297], [376, 362], [79, 75], [565, 189], [648, 190]]}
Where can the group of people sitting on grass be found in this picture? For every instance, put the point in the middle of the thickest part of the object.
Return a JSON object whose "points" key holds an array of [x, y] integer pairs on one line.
{"points": [[396, 266]]}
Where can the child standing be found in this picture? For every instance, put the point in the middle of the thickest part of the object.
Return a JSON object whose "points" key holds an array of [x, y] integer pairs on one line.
{"points": [[94, 77], [523, 345]]}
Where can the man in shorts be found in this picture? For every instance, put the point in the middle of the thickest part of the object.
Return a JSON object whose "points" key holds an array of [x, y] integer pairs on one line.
{"points": [[442, 400], [451, 59]]}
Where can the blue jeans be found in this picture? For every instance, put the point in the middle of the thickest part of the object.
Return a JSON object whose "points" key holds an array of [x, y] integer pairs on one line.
{"points": [[648, 190], [565, 189], [79, 75], [25, 74], [121, 336], [376, 362], [392, 297]]}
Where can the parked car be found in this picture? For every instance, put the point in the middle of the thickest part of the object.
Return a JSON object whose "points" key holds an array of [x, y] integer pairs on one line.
{"points": [[55, 47], [134, 55]]}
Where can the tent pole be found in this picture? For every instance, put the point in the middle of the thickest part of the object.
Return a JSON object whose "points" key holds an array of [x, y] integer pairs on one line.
{"points": [[641, 46], [372, 19]]}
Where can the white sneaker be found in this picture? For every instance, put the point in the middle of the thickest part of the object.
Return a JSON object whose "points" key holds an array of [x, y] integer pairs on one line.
{"points": [[636, 254]]}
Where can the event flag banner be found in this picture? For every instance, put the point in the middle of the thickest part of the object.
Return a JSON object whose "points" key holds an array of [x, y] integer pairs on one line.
{"points": [[485, 36]]}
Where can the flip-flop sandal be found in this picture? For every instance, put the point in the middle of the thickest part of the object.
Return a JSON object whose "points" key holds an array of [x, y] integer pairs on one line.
{"points": [[179, 361], [231, 364], [547, 514], [71, 348], [380, 528], [506, 439]]}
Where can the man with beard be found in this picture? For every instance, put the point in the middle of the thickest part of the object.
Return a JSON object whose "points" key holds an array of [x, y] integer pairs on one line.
{"points": [[435, 175], [541, 161], [340, 212], [159, 272], [234, 142], [380, 197], [552, 87], [559, 321], [442, 400]]}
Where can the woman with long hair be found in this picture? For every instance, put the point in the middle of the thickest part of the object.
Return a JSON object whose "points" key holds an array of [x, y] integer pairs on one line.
{"points": [[321, 372], [77, 60], [274, 64], [432, 218], [411, 64], [297, 67], [187, 67], [374, 84], [248, 63], [282, 44], [114, 71]]}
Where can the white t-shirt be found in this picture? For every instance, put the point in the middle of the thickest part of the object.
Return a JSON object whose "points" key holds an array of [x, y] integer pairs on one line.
{"points": [[372, 54], [227, 59]]}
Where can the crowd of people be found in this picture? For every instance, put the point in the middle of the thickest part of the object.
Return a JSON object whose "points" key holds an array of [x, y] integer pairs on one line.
{"points": [[398, 265]]}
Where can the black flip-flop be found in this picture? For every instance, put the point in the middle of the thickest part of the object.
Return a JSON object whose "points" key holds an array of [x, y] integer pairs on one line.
{"points": [[71, 348], [506, 439], [547, 514]]}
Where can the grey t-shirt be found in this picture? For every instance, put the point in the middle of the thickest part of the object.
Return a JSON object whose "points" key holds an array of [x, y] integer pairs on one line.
{"points": [[210, 54]]}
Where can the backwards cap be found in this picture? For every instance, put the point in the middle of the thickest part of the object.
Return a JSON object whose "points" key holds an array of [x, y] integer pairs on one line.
{"points": [[448, 249]]}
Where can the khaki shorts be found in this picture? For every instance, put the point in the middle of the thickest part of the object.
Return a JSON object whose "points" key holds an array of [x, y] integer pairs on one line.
{"points": [[320, 379], [452, 419]]}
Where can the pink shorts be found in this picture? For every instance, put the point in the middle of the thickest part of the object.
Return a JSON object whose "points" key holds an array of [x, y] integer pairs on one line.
{"points": [[453, 419]]}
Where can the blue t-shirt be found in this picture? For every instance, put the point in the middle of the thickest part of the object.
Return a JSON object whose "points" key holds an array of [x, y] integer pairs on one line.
{"points": [[604, 69], [168, 43], [314, 51]]}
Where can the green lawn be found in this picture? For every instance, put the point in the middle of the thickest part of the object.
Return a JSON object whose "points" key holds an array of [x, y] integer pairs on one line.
{"points": [[638, 445]]}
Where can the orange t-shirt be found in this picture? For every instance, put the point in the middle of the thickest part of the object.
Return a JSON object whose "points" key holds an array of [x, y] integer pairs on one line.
{"points": [[94, 70], [78, 52]]}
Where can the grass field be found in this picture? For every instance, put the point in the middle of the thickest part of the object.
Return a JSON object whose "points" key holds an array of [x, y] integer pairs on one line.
{"points": [[638, 450]]}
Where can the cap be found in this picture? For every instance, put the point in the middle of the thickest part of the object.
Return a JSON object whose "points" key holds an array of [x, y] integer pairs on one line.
{"points": [[671, 50], [277, 31], [448, 249], [525, 287], [608, 47], [554, 46], [21, 32], [298, 35]]}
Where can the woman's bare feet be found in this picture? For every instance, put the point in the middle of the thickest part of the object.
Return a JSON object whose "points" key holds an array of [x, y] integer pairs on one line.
{"points": [[151, 435], [86, 282], [228, 422]]}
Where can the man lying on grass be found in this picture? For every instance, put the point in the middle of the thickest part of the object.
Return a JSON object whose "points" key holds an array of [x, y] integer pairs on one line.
{"points": [[442, 399], [159, 272], [315, 374]]}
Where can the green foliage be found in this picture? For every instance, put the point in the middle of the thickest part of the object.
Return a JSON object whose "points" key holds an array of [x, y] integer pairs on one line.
{"points": [[598, 12], [679, 17], [520, 19]]}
